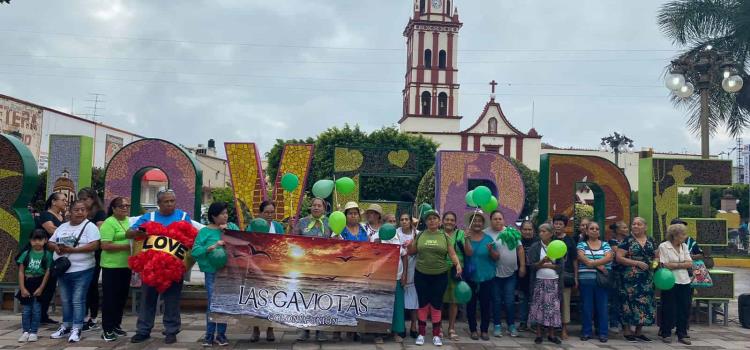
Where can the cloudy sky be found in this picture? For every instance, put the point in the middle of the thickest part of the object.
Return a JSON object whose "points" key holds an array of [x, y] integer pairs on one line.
{"points": [[244, 70]]}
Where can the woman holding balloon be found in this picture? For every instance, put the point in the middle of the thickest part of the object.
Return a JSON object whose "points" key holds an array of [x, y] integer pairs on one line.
{"points": [[546, 285], [460, 242], [675, 256], [483, 257], [431, 248], [635, 254]]}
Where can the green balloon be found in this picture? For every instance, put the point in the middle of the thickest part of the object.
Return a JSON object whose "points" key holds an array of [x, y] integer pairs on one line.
{"points": [[490, 206], [289, 182], [423, 208], [481, 195], [217, 258], [470, 199], [556, 249], [345, 185], [259, 225], [387, 232], [664, 279], [337, 222], [462, 292], [323, 188]]}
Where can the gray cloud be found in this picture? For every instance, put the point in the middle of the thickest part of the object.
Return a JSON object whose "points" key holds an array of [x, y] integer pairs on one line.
{"points": [[203, 74]]}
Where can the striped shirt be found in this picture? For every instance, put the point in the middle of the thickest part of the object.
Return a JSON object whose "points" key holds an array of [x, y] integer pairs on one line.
{"points": [[585, 272]]}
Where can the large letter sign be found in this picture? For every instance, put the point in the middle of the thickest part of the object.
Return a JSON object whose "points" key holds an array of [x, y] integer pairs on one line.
{"points": [[561, 173], [249, 185], [126, 168], [455, 169], [660, 180], [18, 182]]}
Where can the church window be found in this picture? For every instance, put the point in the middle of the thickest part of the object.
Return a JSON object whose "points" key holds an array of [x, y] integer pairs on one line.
{"points": [[492, 126], [441, 59], [422, 6], [448, 7], [442, 104], [426, 102], [428, 58]]}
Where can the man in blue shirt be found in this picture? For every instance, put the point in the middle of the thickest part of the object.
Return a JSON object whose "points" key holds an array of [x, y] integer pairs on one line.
{"points": [[167, 214]]}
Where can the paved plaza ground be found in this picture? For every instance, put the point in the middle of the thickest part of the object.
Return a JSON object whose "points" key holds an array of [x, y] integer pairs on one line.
{"points": [[716, 337]]}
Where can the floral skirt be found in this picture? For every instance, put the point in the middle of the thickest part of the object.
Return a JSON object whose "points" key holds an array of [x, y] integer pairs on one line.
{"points": [[545, 306]]}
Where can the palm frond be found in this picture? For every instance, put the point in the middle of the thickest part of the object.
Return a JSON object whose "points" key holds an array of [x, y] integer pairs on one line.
{"points": [[692, 21]]}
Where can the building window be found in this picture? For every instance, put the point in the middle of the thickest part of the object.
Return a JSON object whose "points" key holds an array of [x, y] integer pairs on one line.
{"points": [[441, 59], [448, 7], [422, 7], [492, 148], [442, 104], [426, 101], [492, 126], [428, 58]]}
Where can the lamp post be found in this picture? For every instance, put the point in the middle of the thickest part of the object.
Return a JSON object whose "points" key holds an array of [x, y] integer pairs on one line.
{"points": [[701, 72], [617, 143]]}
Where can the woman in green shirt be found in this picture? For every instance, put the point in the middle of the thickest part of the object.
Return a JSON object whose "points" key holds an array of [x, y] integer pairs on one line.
{"points": [[431, 248], [208, 240], [115, 271], [459, 241]]}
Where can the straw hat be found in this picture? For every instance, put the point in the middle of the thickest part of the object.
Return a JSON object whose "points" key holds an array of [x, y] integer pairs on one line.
{"points": [[352, 205], [470, 215], [376, 208]]}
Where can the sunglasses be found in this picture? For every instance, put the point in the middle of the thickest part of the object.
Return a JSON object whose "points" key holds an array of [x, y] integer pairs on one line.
{"points": [[124, 206], [169, 190]]}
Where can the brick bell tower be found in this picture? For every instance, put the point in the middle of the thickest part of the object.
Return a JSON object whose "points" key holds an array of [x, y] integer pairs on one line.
{"points": [[430, 95]]}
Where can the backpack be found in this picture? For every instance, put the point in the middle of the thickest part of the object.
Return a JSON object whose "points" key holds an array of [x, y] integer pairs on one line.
{"points": [[26, 259]]}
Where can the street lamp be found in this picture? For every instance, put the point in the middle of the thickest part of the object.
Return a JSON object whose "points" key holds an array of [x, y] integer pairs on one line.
{"points": [[703, 71], [617, 143]]}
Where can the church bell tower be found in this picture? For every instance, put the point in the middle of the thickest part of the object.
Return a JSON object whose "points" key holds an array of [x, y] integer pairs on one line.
{"points": [[430, 95]]}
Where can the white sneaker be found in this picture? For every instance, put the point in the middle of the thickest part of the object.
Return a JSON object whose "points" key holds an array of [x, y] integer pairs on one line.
{"points": [[60, 333], [33, 337], [420, 340], [75, 336], [437, 341], [24, 337]]}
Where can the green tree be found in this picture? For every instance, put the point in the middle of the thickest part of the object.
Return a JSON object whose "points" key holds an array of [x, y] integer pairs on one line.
{"points": [[426, 189], [725, 25]]}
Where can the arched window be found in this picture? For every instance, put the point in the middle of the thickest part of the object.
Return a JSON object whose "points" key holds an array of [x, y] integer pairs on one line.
{"points": [[426, 102], [421, 7], [441, 59], [492, 126], [448, 7], [428, 58], [442, 104]]}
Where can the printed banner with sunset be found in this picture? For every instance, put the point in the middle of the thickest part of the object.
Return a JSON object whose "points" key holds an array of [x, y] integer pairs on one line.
{"points": [[315, 283]]}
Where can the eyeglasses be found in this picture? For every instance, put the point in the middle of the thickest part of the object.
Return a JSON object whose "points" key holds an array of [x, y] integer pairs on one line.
{"points": [[124, 206], [168, 190]]}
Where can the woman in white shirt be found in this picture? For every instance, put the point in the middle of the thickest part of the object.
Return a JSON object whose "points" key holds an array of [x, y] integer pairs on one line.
{"points": [[674, 255], [77, 240]]}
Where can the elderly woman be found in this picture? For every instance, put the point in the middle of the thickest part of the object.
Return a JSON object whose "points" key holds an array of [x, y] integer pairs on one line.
{"points": [[594, 256], [315, 224], [431, 248], [547, 286], [675, 255], [620, 231], [635, 255], [77, 240]]}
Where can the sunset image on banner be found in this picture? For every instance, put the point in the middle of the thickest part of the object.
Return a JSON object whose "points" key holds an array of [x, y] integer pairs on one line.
{"points": [[307, 282]]}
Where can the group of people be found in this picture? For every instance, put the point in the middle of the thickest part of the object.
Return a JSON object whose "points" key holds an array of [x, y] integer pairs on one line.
{"points": [[501, 265]]}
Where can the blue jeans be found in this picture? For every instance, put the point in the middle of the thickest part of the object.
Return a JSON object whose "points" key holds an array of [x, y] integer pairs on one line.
{"points": [[594, 298], [504, 293], [31, 316], [212, 327], [73, 289], [523, 304]]}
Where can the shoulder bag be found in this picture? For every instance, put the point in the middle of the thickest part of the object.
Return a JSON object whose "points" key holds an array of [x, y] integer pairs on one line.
{"points": [[62, 263]]}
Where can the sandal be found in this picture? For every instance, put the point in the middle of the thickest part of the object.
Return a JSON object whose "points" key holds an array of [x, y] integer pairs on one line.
{"points": [[453, 336]]}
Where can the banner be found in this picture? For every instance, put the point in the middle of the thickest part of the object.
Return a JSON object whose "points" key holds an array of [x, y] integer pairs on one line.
{"points": [[309, 282], [24, 121]]}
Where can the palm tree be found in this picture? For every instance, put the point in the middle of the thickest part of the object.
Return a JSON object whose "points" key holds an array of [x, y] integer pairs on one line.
{"points": [[724, 25]]}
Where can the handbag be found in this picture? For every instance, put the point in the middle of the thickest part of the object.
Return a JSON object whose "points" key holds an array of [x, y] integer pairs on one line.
{"points": [[62, 263], [603, 280], [700, 278]]}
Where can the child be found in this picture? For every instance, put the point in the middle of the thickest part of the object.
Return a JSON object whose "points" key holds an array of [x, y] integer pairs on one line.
{"points": [[33, 272]]}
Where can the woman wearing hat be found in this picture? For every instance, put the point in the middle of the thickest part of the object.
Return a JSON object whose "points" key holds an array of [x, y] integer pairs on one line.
{"points": [[353, 230], [430, 278], [374, 217], [483, 256]]}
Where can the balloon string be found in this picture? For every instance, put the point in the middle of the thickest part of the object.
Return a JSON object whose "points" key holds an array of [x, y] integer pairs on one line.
{"points": [[336, 194]]}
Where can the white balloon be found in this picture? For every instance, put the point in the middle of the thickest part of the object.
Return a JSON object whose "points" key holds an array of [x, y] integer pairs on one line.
{"points": [[674, 81]]}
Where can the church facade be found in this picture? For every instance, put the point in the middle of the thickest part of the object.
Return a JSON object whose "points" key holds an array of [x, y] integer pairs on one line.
{"points": [[431, 92]]}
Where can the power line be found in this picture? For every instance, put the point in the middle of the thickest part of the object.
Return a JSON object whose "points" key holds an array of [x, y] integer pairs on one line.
{"points": [[299, 46]]}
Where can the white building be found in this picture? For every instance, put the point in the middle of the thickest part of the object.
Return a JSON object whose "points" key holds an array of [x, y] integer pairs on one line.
{"points": [[430, 95]]}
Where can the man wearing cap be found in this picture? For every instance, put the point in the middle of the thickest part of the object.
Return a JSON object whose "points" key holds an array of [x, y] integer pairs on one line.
{"points": [[353, 230], [374, 217]]}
